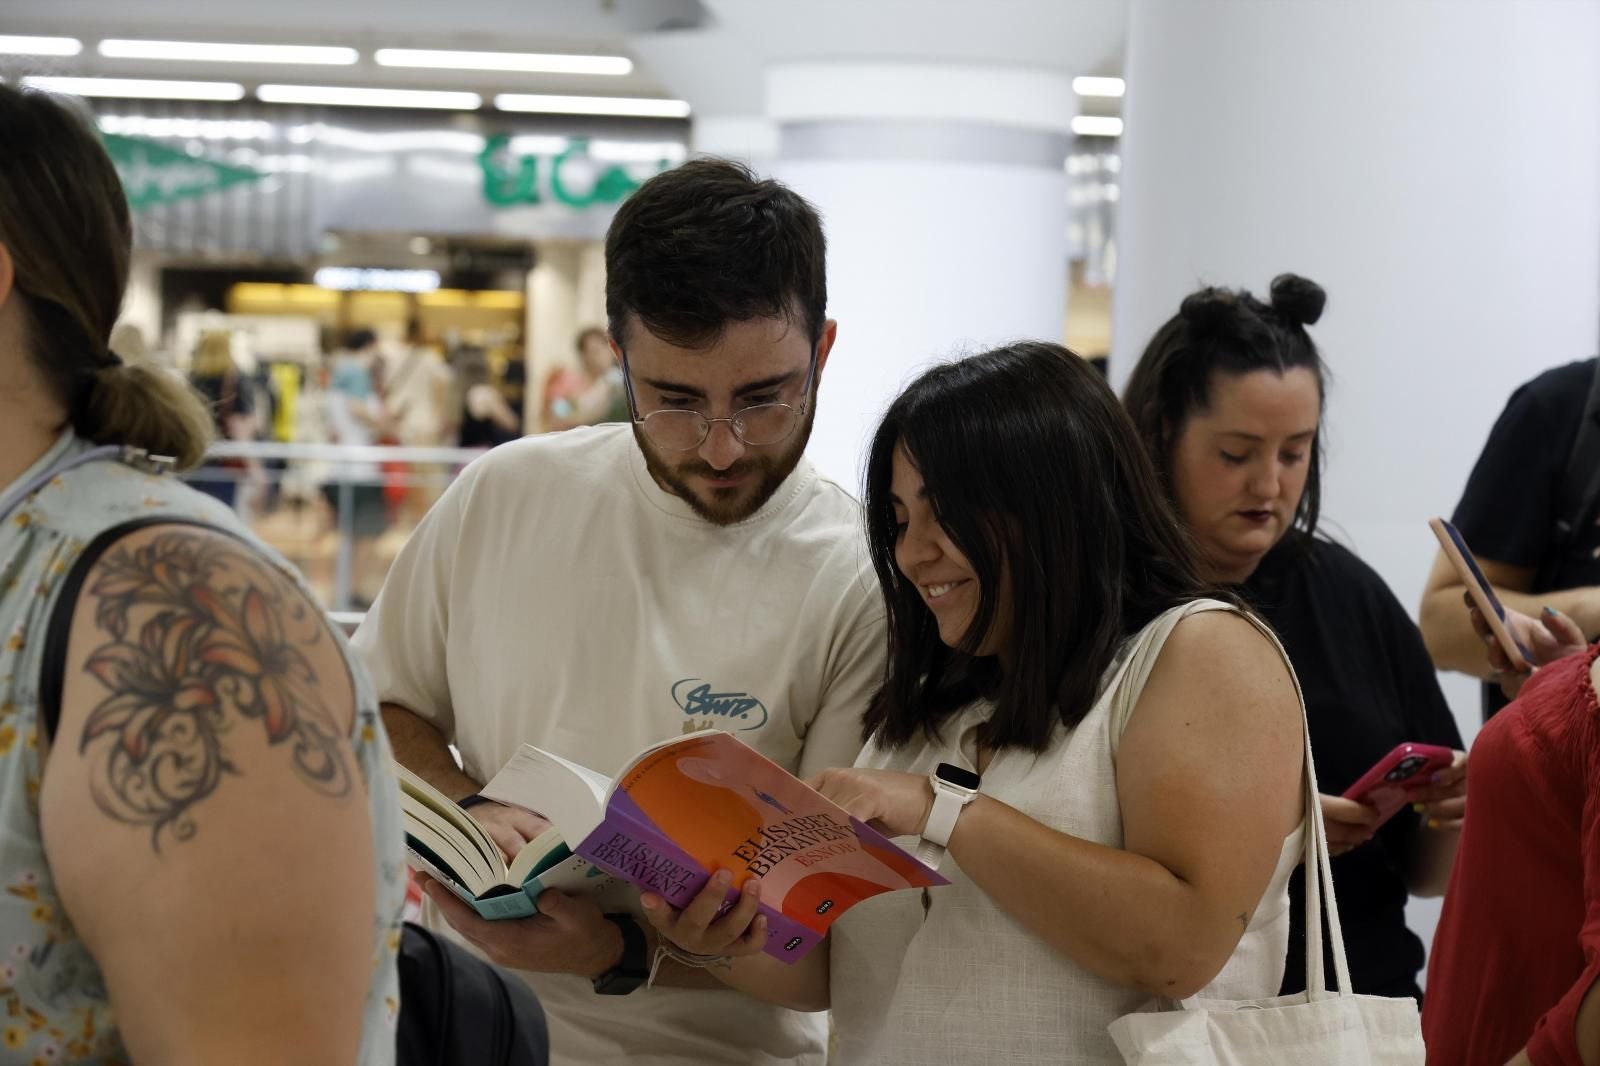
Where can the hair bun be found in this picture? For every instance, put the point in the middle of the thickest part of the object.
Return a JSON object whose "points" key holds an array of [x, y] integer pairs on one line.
{"points": [[1298, 301], [1209, 309]]}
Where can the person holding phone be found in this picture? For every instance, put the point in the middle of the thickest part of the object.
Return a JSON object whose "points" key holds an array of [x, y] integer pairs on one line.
{"points": [[1064, 721], [1228, 397], [1517, 954], [1529, 510]]}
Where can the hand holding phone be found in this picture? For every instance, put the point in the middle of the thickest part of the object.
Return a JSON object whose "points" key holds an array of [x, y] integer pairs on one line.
{"points": [[1399, 775], [1482, 593]]}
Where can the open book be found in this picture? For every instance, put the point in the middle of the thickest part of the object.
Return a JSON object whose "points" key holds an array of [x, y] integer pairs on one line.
{"points": [[446, 843], [685, 808]]}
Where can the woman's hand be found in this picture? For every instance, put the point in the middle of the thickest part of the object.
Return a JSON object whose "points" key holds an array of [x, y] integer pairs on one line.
{"points": [[1349, 824], [698, 930], [1443, 803], [894, 803], [1549, 637]]}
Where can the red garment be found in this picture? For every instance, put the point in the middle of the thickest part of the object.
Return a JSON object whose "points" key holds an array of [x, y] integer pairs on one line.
{"points": [[1518, 944]]}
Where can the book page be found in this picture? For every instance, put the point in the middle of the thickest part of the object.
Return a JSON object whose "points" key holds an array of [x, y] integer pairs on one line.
{"points": [[567, 795], [450, 813], [445, 849]]}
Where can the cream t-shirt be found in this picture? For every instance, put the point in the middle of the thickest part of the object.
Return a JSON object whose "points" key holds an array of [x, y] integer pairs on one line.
{"points": [[557, 596]]}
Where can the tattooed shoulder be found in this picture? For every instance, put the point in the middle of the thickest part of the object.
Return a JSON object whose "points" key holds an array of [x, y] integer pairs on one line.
{"points": [[197, 640]]}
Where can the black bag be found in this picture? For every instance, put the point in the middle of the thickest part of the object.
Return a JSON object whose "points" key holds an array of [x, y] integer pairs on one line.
{"points": [[457, 1010]]}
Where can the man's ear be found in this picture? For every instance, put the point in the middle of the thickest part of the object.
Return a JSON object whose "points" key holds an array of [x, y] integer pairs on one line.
{"points": [[830, 333]]}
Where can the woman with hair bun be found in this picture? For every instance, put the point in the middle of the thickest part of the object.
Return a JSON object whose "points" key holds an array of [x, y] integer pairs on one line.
{"points": [[199, 835], [1228, 398]]}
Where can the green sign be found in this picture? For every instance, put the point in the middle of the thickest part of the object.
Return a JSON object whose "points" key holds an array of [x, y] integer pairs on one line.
{"points": [[152, 173], [509, 180]]}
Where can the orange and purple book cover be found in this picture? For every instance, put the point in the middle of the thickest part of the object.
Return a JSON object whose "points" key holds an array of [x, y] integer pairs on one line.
{"points": [[708, 801]]}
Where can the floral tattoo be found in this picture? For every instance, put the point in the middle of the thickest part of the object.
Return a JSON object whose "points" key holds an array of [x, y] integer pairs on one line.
{"points": [[220, 644]]}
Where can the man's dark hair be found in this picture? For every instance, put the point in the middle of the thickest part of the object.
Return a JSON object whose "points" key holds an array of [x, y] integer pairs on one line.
{"points": [[708, 243], [358, 339]]}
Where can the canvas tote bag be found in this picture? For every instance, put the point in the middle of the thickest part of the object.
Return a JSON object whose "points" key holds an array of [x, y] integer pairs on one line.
{"points": [[1317, 1027]]}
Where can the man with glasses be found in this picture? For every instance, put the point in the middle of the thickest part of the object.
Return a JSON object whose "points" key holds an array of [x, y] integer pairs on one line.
{"points": [[599, 590]]}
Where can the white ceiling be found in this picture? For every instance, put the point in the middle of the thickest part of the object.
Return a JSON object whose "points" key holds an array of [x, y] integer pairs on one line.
{"points": [[710, 52]]}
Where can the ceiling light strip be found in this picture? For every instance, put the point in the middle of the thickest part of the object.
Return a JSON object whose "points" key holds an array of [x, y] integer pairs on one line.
{"points": [[628, 106], [1099, 86], [211, 52], [138, 88], [345, 96], [528, 62], [15, 45], [1097, 126]]}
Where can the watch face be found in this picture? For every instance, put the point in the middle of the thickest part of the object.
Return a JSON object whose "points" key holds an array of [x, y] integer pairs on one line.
{"points": [[957, 776]]}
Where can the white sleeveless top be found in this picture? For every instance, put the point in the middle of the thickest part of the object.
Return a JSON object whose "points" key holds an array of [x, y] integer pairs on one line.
{"points": [[966, 982]]}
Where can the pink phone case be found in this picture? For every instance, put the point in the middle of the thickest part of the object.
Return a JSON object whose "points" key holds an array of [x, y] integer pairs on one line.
{"points": [[1389, 784]]}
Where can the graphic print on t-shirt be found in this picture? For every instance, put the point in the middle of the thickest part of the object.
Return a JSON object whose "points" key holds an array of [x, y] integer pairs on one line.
{"points": [[705, 707]]}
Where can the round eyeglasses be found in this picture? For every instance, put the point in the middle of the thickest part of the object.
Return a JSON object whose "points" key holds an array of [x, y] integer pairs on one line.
{"points": [[758, 426], [678, 430]]}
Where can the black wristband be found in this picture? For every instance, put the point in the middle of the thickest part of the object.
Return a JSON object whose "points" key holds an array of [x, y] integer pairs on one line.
{"points": [[633, 969], [473, 800]]}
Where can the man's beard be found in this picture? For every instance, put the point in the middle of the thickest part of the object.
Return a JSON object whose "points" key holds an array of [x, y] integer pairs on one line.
{"points": [[724, 507]]}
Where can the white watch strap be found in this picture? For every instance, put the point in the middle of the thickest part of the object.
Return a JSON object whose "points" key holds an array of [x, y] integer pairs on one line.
{"points": [[942, 816], [941, 823]]}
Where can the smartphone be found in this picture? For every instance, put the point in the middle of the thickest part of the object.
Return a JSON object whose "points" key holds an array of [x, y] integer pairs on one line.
{"points": [[1389, 784], [1478, 587]]}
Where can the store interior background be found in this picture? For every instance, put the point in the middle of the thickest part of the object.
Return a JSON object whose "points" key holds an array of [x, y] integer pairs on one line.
{"points": [[1435, 164]]}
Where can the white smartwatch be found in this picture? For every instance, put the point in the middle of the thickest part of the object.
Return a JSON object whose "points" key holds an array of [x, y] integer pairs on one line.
{"points": [[953, 789]]}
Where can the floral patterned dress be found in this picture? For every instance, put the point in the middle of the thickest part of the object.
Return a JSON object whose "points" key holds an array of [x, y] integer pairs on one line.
{"points": [[53, 1002]]}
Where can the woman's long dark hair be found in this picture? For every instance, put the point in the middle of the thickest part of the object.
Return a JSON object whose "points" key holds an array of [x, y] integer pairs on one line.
{"points": [[1033, 470], [1229, 332]]}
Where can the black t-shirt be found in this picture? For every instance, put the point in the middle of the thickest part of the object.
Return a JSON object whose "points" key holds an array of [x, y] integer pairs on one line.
{"points": [[1507, 512], [1369, 685]]}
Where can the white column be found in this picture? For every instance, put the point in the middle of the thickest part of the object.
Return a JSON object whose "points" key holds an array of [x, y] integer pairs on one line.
{"points": [[1434, 164], [589, 301], [553, 289], [943, 192], [141, 303]]}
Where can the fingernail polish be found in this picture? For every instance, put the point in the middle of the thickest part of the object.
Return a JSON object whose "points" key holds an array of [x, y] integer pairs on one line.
{"points": [[1433, 823], [1549, 610], [1419, 808]]}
